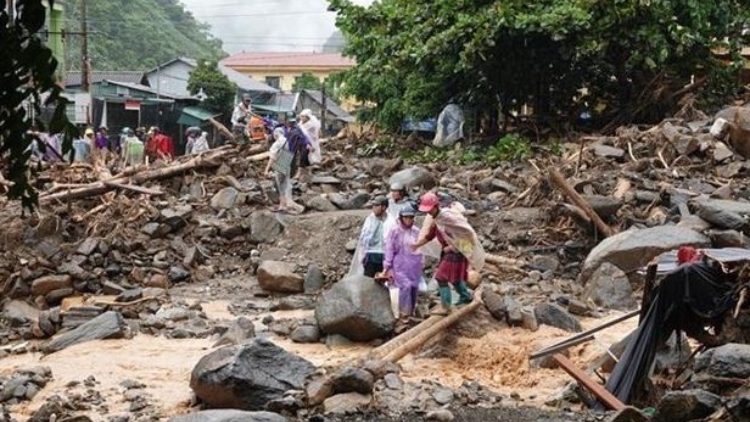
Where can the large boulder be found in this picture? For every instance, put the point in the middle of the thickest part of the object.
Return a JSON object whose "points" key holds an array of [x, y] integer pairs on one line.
{"points": [[357, 308], [107, 325], [414, 177], [729, 361], [225, 199], [230, 415], [277, 276], [687, 405], [264, 227], [248, 376], [739, 132], [609, 287], [556, 316], [632, 249]]}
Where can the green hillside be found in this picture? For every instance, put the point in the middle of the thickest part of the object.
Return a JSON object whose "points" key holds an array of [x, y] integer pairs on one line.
{"points": [[136, 34]]}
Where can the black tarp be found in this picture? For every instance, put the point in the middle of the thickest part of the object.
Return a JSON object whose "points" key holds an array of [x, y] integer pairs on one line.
{"points": [[691, 297]]}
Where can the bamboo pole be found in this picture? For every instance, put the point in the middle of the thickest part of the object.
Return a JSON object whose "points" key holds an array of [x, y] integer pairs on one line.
{"points": [[418, 340], [560, 182]]}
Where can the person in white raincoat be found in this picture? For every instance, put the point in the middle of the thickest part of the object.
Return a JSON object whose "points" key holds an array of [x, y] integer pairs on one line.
{"points": [[310, 126]]}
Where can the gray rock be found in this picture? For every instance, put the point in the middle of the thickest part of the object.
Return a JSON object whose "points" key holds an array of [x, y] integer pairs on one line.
{"points": [[607, 151], [177, 217], [88, 246], [305, 334], [320, 203], [18, 312], [721, 217], [545, 262], [728, 239], [414, 177], [634, 248], [314, 280], [730, 360], [264, 227], [722, 152], [514, 312], [43, 285], [248, 376], [440, 415], [348, 403], [628, 414], [609, 287], [337, 199], [393, 382], [495, 304], [739, 405], [680, 406], [357, 308], [738, 207], [277, 276], [605, 206], [556, 316], [319, 389], [176, 313], [359, 200], [379, 167], [380, 368], [225, 199], [107, 325], [239, 332], [152, 229], [324, 180], [178, 274], [443, 396], [352, 380], [229, 415]]}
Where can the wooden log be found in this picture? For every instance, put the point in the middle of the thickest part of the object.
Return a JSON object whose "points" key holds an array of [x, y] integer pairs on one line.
{"points": [[134, 188], [559, 180], [411, 340], [607, 398], [221, 128], [97, 188], [404, 337]]}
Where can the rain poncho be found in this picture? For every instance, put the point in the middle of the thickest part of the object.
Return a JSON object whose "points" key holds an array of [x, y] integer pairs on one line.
{"points": [[371, 240], [199, 144], [457, 232], [133, 151], [405, 265], [311, 129]]}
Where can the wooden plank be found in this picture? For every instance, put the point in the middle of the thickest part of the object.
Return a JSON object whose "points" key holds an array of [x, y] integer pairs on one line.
{"points": [[607, 398]]}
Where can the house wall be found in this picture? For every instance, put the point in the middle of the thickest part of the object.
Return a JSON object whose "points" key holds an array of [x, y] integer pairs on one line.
{"points": [[172, 79], [54, 22], [286, 75]]}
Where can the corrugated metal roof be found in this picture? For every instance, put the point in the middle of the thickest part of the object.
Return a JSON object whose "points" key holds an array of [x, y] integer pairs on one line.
{"points": [[331, 106], [129, 76], [244, 82]]}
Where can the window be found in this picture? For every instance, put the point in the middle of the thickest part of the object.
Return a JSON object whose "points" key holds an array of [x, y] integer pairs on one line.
{"points": [[274, 81]]}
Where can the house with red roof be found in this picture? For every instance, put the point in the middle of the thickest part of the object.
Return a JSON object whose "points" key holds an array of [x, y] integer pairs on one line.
{"points": [[280, 70]]}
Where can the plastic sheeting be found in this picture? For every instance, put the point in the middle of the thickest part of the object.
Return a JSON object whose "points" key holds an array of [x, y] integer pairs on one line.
{"points": [[688, 299], [450, 126]]}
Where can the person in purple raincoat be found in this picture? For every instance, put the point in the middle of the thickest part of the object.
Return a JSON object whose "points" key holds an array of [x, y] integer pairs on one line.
{"points": [[402, 265]]}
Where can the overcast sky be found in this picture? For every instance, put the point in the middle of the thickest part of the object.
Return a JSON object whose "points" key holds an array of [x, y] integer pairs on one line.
{"points": [[268, 25]]}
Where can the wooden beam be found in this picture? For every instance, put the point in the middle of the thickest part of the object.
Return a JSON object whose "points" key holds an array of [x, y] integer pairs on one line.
{"points": [[134, 188], [557, 179], [607, 398]]}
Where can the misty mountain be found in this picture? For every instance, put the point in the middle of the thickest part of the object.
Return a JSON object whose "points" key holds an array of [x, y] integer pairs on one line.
{"points": [[137, 34]]}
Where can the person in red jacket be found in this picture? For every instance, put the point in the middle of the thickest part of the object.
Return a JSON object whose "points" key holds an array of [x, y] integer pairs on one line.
{"points": [[159, 145]]}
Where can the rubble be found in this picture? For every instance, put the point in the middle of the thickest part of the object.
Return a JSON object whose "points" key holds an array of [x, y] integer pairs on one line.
{"points": [[656, 188]]}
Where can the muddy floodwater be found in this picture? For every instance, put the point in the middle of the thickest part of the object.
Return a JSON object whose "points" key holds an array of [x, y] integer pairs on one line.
{"points": [[498, 360]]}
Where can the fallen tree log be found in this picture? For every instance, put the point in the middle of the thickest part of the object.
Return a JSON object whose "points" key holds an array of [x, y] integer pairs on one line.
{"points": [[413, 339], [98, 188], [574, 196]]}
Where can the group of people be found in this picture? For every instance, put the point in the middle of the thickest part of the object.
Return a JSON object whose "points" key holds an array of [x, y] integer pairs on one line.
{"points": [[391, 249]]}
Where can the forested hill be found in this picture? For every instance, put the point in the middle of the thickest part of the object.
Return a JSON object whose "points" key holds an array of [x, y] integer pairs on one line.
{"points": [[136, 34]]}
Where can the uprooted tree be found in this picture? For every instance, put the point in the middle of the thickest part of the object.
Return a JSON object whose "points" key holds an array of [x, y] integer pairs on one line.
{"points": [[629, 60], [27, 82]]}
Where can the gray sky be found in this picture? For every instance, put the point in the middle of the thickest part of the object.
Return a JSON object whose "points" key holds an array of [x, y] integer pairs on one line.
{"points": [[268, 25]]}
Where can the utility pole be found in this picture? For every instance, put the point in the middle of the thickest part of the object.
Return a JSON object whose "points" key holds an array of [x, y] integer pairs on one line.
{"points": [[85, 80], [11, 10], [85, 68], [323, 109]]}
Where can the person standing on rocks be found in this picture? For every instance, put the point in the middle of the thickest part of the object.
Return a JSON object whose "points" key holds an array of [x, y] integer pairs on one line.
{"points": [[310, 126], [402, 265], [398, 201], [282, 176], [460, 248], [370, 253], [241, 115]]}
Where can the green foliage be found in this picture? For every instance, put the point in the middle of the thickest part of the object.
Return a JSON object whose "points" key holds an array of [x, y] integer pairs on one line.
{"points": [[414, 56], [306, 81], [26, 71], [219, 89], [137, 34], [511, 147]]}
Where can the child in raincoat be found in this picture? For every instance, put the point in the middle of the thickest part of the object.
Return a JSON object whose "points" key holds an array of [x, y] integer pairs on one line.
{"points": [[402, 264]]}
